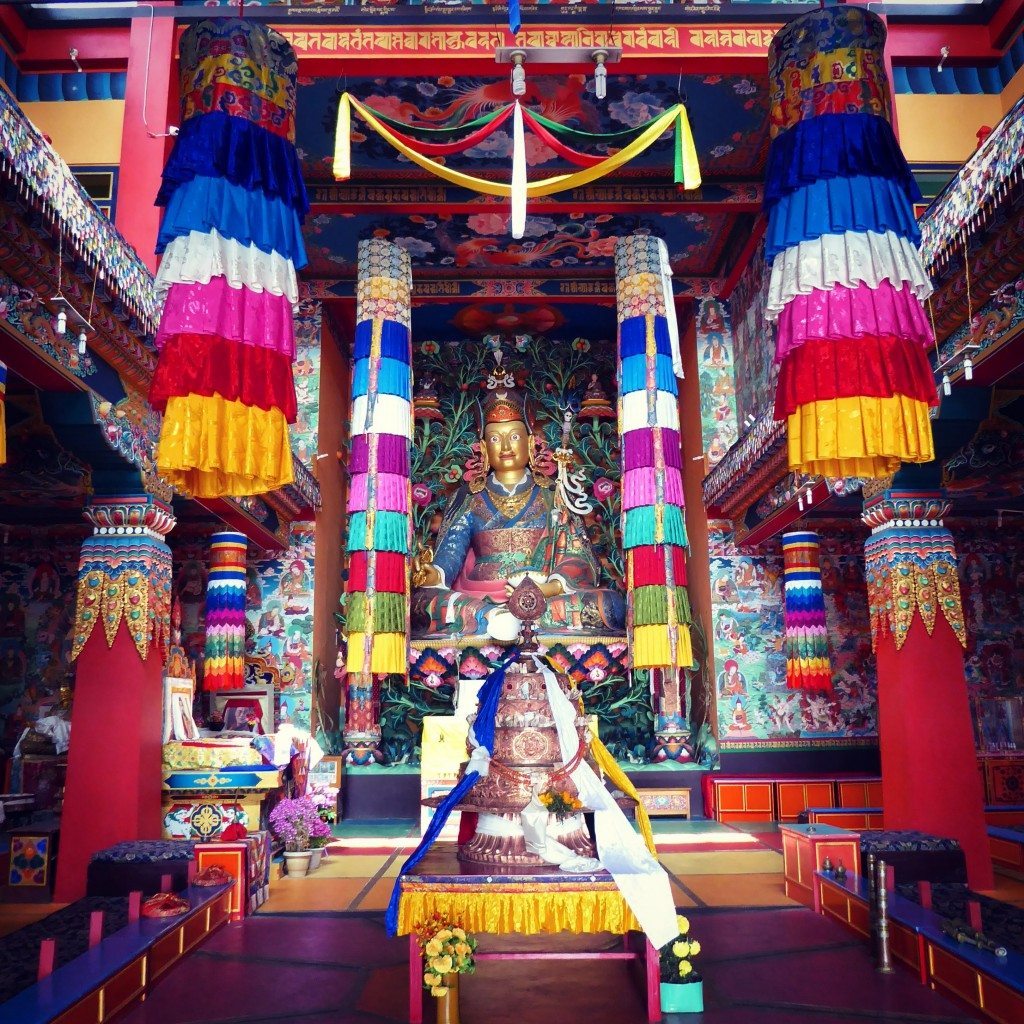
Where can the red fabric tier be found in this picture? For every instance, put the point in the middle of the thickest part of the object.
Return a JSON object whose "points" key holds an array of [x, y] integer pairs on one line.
{"points": [[860, 367], [203, 364], [649, 565], [390, 572]]}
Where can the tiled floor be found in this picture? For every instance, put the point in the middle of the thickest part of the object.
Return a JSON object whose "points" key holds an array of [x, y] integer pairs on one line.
{"points": [[317, 954], [760, 967]]}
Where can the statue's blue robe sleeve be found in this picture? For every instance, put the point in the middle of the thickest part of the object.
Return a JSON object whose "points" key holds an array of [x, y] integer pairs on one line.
{"points": [[454, 537]]}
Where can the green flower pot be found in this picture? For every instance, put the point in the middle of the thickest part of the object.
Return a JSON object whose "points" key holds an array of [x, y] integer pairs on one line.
{"points": [[688, 998]]}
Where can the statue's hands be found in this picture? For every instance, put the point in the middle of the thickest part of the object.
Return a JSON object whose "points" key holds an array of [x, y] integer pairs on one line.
{"points": [[424, 572], [552, 588]]}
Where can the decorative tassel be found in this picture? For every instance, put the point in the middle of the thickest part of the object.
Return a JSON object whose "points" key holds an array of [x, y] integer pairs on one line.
{"points": [[646, 526], [519, 183]]}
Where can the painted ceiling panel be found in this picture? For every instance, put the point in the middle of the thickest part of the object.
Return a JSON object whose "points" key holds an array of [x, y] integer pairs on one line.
{"points": [[728, 116], [459, 243]]}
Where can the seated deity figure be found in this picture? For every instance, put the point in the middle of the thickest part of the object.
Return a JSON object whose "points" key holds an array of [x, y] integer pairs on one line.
{"points": [[508, 523]]}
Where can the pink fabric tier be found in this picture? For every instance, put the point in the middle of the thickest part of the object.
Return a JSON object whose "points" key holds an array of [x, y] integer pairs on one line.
{"points": [[255, 318], [639, 487], [844, 313], [392, 493]]}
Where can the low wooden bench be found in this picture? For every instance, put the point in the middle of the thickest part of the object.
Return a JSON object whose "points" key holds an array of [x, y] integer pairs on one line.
{"points": [[860, 819], [1006, 847], [121, 968], [991, 986]]}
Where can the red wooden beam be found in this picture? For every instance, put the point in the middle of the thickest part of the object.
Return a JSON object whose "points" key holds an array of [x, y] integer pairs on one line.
{"points": [[1006, 22], [99, 49], [914, 43], [743, 259]]}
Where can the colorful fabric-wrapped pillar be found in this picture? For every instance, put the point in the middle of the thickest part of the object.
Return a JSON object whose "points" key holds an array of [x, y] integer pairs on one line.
{"points": [[224, 662], [379, 502], [653, 527], [807, 664], [231, 239], [847, 283]]}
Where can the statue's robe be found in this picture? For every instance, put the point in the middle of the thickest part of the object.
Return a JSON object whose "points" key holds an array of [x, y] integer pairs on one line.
{"points": [[489, 537]]}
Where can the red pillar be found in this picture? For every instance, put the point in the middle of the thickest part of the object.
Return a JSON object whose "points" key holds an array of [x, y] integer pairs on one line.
{"points": [[113, 783], [113, 780], [152, 80], [930, 779]]}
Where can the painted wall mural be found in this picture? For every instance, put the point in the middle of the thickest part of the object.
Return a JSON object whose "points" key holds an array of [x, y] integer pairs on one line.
{"points": [[306, 371], [717, 379], [38, 571], [992, 588], [755, 708], [279, 609], [753, 341]]}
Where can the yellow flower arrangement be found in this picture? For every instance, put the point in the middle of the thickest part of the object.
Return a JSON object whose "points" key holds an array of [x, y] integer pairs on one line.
{"points": [[447, 949], [560, 802], [676, 967]]}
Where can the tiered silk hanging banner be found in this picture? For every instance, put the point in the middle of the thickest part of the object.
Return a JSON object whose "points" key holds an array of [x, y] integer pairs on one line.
{"points": [[910, 565], [807, 664], [231, 239], [224, 662], [3, 413], [379, 502], [847, 283], [653, 527], [124, 574]]}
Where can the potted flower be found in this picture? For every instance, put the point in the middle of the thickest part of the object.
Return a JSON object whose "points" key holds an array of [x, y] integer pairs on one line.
{"points": [[447, 953], [319, 837], [293, 822], [682, 988]]}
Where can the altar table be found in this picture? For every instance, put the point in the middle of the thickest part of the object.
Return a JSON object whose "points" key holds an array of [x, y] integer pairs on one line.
{"points": [[521, 902]]}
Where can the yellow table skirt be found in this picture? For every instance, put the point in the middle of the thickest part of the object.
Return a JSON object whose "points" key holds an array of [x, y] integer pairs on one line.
{"points": [[506, 909]]}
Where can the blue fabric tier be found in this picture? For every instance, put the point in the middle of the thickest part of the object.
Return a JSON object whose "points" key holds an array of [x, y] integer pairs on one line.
{"points": [[220, 145], [836, 146], [248, 216], [633, 337], [394, 340], [392, 378], [836, 205], [634, 374]]}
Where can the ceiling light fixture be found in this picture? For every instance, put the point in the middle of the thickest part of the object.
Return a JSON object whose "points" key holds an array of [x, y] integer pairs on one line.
{"points": [[518, 73], [600, 74]]}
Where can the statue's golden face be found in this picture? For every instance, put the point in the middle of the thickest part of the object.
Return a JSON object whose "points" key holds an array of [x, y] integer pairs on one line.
{"points": [[508, 445]]}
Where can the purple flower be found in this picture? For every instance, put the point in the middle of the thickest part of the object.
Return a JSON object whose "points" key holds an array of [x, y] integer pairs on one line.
{"points": [[421, 495], [603, 488]]}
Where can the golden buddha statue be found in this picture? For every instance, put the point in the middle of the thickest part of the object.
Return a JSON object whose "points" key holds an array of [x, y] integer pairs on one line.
{"points": [[505, 525]]}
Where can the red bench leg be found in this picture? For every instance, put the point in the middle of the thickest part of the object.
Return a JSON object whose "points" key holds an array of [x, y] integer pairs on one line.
{"points": [[415, 981], [653, 974]]}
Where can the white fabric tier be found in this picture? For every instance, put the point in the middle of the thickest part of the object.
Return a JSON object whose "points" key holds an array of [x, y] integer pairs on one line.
{"points": [[849, 259], [389, 414], [197, 257], [635, 411]]}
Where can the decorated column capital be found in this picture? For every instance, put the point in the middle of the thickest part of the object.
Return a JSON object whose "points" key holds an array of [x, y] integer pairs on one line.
{"points": [[124, 573], [910, 565]]}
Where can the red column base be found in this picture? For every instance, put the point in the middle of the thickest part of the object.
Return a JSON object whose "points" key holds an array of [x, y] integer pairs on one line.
{"points": [[930, 778]]}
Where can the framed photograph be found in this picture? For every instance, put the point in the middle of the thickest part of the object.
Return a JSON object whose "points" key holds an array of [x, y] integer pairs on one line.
{"points": [[248, 710], [328, 771]]}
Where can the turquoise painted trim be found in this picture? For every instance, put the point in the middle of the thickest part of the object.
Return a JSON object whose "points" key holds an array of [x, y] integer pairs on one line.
{"points": [[928, 81], [86, 85]]}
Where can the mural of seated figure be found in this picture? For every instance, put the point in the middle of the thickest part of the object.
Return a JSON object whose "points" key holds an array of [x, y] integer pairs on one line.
{"points": [[503, 525]]}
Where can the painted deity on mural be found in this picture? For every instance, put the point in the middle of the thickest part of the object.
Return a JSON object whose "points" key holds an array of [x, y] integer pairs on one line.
{"points": [[504, 524]]}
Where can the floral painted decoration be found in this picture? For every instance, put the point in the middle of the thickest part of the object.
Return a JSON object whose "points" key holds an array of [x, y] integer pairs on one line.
{"points": [[676, 956], [447, 949]]}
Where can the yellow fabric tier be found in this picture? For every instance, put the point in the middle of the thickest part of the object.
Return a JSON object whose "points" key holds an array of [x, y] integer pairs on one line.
{"points": [[860, 436], [652, 647], [214, 448], [389, 654]]}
